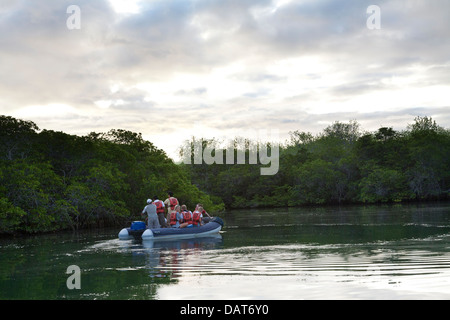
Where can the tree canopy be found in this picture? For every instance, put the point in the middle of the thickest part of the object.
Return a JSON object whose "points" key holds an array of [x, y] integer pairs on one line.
{"points": [[342, 164], [52, 180]]}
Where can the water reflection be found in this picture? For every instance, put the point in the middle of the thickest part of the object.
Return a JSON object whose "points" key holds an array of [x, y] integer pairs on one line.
{"points": [[406, 269], [334, 225], [202, 243], [163, 259], [372, 252], [317, 253]]}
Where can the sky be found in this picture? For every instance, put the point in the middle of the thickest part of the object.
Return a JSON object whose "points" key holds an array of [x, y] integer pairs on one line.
{"points": [[216, 68]]}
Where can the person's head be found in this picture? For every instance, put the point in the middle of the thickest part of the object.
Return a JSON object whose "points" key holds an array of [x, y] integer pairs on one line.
{"points": [[155, 197], [200, 208], [183, 207], [170, 193], [177, 208], [149, 201]]}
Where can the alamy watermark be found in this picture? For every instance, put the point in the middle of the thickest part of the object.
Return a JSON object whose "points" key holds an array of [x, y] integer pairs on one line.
{"points": [[74, 20], [74, 280], [374, 20], [237, 151]]}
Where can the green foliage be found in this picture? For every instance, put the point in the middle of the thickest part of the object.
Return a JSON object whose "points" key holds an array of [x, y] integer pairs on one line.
{"points": [[382, 185], [10, 216], [52, 180], [318, 182], [32, 187], [343, 164]]}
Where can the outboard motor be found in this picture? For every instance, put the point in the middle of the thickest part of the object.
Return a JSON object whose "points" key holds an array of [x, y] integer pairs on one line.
{"points": [[137, 229], [138, 225], [218, 220]]}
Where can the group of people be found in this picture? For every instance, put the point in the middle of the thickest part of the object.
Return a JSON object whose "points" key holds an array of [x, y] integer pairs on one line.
{"points": [[177, 216]]}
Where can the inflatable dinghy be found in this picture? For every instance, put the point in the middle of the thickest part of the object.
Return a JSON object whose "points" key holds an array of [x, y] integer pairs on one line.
{"points": [[139, 231]]}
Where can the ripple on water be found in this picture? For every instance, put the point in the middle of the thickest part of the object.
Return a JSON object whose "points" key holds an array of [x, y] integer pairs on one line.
{"points": [[305, 271]]}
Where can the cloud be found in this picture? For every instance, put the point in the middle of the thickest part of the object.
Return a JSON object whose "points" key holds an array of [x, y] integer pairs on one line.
{"points": [[194, 91], [171, 69]]}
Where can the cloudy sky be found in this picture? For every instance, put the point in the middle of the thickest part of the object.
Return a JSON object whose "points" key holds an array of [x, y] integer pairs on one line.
{"points": [[173, 69]]}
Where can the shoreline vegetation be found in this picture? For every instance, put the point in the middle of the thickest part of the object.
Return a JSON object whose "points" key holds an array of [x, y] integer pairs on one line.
{"points": [[52, 181]]}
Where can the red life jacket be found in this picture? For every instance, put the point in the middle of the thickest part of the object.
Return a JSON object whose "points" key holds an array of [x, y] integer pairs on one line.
{"points": [[159, 206], [173, 218], [187, 216], [173, 202], [196, 218]]}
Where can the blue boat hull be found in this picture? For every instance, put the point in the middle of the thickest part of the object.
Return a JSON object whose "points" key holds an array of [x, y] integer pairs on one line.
{"points": [[208, 229]]}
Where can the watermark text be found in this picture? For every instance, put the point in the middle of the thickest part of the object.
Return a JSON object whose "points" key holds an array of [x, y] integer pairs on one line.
{"points": [[73, 281], [374, 20], [74, 20], [262, 153]]}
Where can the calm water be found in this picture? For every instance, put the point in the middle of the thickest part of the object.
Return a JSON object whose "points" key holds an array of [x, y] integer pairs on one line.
{"points": [[373, 252]]}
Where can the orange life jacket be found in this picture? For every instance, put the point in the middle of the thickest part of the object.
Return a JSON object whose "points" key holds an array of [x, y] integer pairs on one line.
{"points": [[173, 218], [196, 217], [187, 216], [173, 202], [159, 206]]}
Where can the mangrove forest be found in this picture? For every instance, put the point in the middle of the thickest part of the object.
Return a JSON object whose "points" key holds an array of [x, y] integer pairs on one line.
{"points": [[51, 180]]}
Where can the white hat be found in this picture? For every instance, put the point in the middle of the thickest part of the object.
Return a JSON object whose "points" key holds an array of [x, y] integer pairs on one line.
{"points": [[149, 201]]}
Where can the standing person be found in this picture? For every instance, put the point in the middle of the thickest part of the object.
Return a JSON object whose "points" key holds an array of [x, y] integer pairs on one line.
{"points": [[150, 209], [170, 203], [176, 217], [160, 211]]}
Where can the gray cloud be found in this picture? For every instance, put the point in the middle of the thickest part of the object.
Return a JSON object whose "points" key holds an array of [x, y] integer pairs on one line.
{"points": [[195, 91], [112, 55]]}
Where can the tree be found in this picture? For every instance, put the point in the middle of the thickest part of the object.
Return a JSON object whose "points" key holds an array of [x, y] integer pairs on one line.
{"points": [[16, 137], [384, 134], [429, 154], [52, 180], [383, 185], [318, 182], [348, 132], [424, 125], [10, 216], [32, 187]]}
